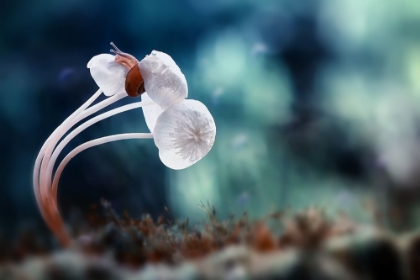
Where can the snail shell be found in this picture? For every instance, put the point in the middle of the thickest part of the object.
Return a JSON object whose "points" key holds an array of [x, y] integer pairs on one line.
{"points": [[134, 83]]}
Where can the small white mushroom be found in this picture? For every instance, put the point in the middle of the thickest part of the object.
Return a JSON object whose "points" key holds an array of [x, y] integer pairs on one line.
{"points": [[108, 74], [184, 133], [163, 80]]}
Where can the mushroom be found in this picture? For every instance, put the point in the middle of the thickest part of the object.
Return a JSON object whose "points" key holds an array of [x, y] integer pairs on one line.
{"points": [[117, 77], [163, 80], [184, 134]]}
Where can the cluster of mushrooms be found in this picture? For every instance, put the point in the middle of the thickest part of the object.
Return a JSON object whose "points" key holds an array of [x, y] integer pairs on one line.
{"points": [[183, 129]]}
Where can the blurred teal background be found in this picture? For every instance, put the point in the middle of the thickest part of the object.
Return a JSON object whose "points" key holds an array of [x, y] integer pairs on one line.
{"points": [[316, 102]]}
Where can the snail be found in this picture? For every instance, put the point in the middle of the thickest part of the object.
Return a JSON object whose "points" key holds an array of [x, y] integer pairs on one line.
{"points": [[157, 74], [134, 83]]}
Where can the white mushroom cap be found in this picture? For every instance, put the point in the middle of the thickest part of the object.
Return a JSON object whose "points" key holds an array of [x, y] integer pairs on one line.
{"points": [[163, 80], [184, 133], [108, 74], [151, 112]]}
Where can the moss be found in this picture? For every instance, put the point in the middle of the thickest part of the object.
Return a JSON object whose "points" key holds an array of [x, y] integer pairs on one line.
{"points": [[306, 244]]}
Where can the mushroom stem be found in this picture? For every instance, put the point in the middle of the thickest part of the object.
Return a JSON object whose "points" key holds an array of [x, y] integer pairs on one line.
{"points": [[41, 164], [85, 125], [54, 221], [57, 131], [90, 144]]}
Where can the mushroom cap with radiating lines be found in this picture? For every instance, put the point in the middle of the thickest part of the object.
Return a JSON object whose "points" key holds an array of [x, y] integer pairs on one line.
{"points": [[184, 133]]}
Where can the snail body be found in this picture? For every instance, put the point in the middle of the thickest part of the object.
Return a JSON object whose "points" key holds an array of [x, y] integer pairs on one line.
{"points": [[134, 82]]}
